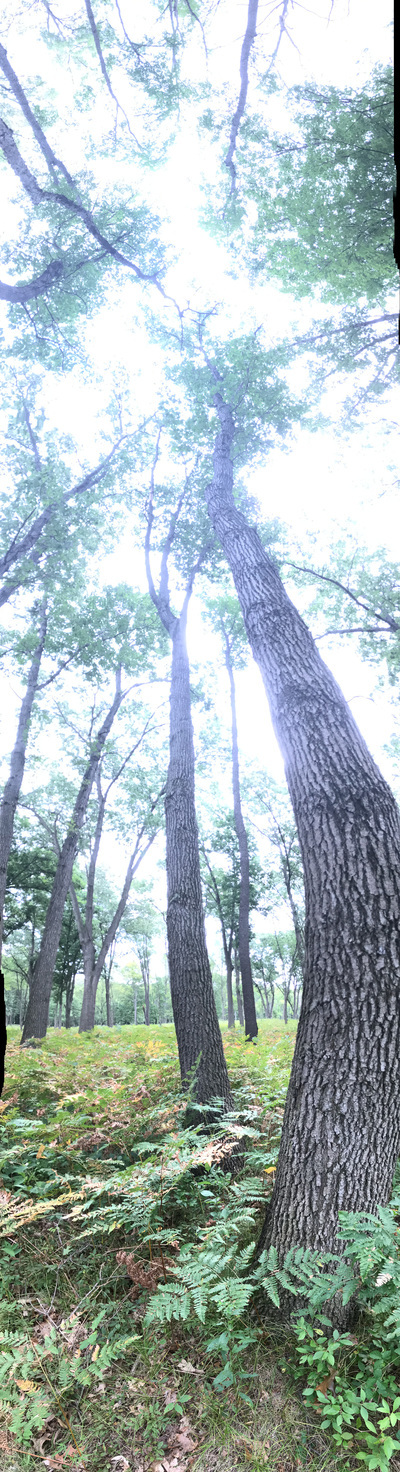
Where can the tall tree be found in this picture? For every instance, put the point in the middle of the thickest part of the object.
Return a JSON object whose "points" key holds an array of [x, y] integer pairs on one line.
{"points": [[38, 1006], [230, 625], [13, 784], [195, 1017], [142, 924], [340, 1137], [85, 912], [222, 899]]}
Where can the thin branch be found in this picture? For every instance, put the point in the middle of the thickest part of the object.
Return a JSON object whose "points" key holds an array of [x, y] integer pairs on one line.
{"points": [[135, 48], [249, 37], [356, 629], [164, 589], [16, 550], [103, 67], [32, 436], [283, 31], [50, 681], [200, 23], [385, 618]]}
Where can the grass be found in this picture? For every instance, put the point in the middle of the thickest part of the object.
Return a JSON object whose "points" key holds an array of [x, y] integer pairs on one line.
{"points": [[75, 1111]]}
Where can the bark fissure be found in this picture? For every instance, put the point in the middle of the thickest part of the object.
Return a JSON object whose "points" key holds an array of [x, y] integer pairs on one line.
{"points": [[341, 1129], [201, 1054]]}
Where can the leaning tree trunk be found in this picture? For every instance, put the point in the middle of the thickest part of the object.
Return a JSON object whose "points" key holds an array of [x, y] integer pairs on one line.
{"points": [[94, 967], [193, 1004], [13, 785], [250, 1018], [341, 1128], [35, 1024]]}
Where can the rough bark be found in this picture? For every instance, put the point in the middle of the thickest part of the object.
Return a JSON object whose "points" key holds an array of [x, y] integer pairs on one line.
{"points": [[35, 1024], [3, 1031], [193, 1004], [238, 987], [250, 1018], [53, 163], [13, 785], [341, 1129]]}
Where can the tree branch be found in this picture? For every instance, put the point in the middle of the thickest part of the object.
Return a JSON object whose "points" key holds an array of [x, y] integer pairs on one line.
{"points": [[51, 160], [103, 67], [385, 618], [249, 37]]}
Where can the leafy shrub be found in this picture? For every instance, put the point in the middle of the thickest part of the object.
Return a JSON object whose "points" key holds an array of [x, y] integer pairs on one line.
{"points": [[352, 1382]]}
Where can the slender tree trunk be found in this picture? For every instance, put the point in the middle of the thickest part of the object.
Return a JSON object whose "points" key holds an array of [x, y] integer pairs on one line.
{"points": [[238, 988], [109, 1005], [38, 1006], [135, 1007], [193, 1004], [263, 1001], [94, 970], [13, 785], [227, 943], [341, 1128], [69, 997], [146, 984], [250, 1019], [229, 990]]}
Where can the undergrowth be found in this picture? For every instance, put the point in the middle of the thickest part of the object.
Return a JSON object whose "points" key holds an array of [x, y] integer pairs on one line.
{"points": [[134, 1326]]}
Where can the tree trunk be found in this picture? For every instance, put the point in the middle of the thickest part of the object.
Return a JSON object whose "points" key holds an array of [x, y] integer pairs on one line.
{"points": [[341, 1128], [38, 1006], [193, 1004], [135, 1007], [90, 984], [3, 1030], [250, 1019], [238, 988], [85, 929], [109, 1005], [229, 990], [69, 996], [13, 785], [145, 970]]}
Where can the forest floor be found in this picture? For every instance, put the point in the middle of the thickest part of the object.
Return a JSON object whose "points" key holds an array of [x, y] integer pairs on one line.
{"points": [[79, 1109]]}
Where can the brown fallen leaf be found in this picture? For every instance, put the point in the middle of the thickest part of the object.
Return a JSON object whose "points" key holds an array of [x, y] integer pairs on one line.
{"points": [[326, 1384], [181, 1438]]}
